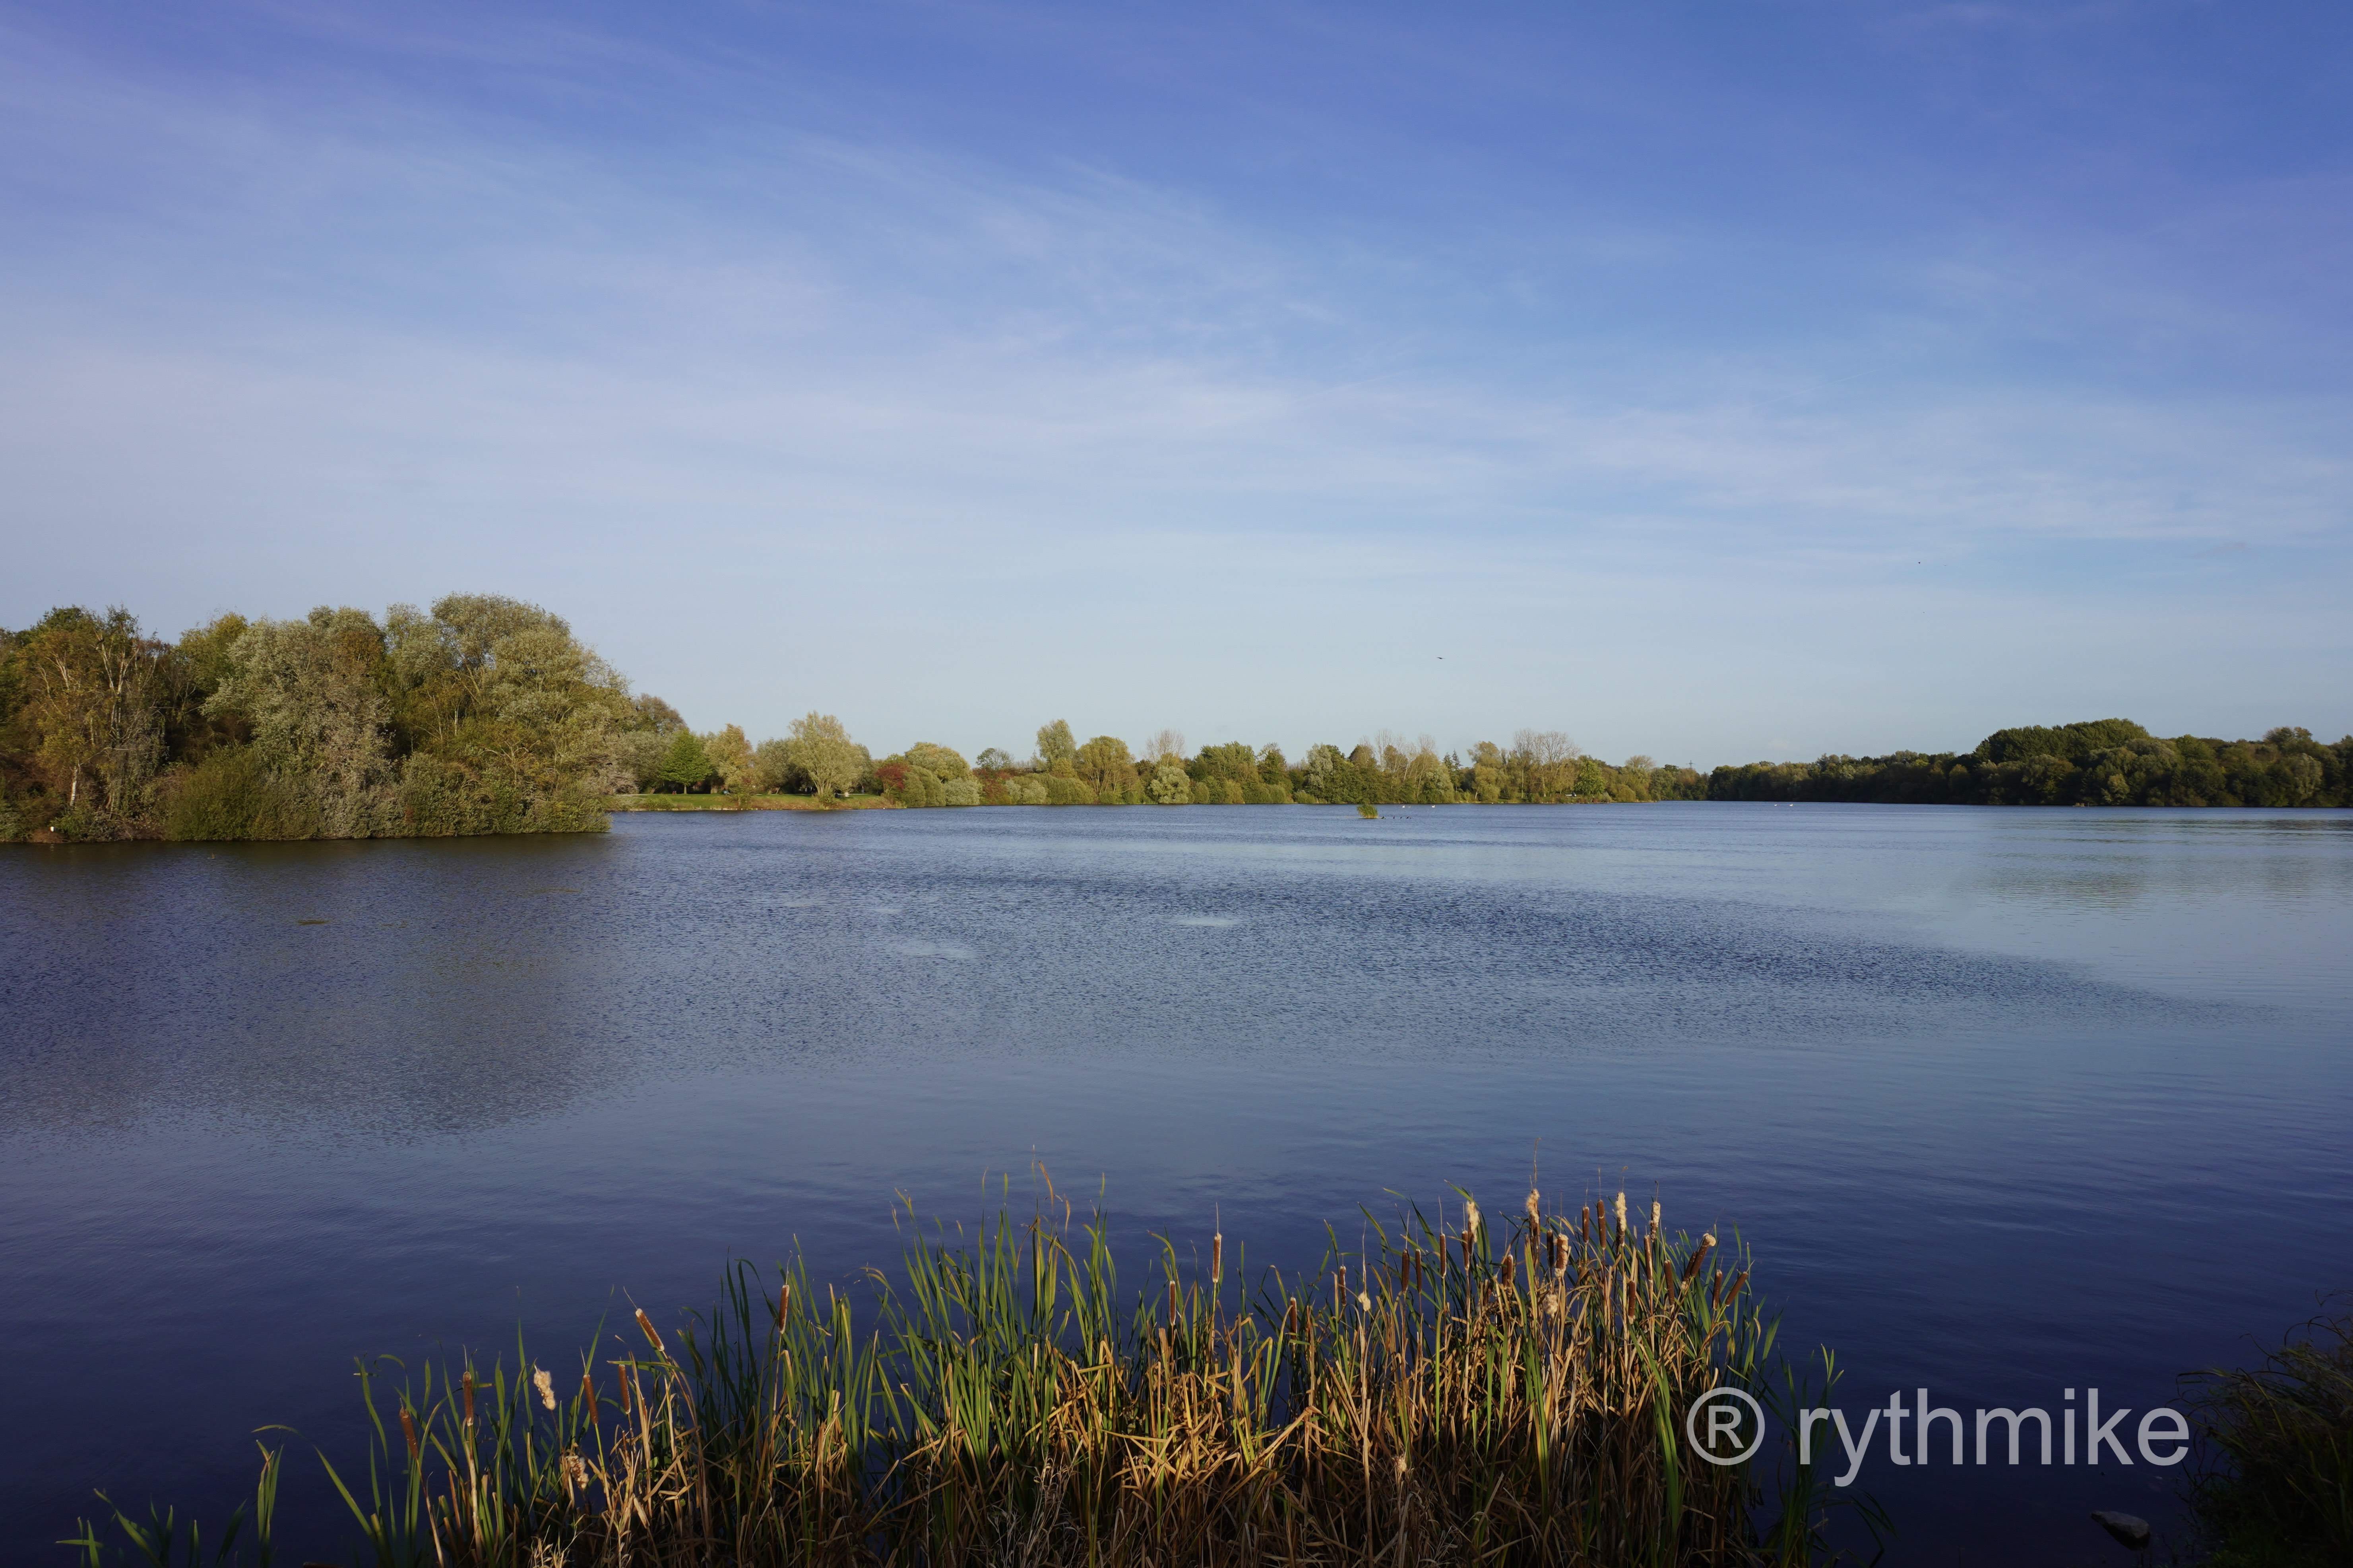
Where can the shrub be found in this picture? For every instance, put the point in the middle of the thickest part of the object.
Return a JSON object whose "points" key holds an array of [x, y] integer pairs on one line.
{"points": [[233, 794]]}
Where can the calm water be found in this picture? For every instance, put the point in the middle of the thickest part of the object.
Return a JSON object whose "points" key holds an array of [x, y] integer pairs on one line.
{"points": [[2006, 1101]]}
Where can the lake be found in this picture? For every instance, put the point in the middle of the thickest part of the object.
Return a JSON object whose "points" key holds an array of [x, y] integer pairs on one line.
{"points": [[2006, 1101]]}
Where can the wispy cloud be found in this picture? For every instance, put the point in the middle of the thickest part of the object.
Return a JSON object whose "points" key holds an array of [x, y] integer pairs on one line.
{"points": [[293, 344]]}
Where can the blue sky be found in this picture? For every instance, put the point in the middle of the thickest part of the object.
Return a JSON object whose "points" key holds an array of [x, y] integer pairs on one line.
{"points": [[1715, 381]]}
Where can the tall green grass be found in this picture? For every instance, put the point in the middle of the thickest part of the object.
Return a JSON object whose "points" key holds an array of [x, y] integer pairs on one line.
{"points": [[1461, 1391], [2274, 1488]]}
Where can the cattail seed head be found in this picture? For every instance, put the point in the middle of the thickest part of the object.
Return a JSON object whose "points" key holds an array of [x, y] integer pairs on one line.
{"points": [[1175, 1302], [469, 1388], [409, 1430], [784, 1304], [1699, 1255], [575, 1470], [1654, 1217], [1534, 1205], [646, 1326], [1217, 1257], [1508, 1263], [1558, 1254], [545, 1381], [1470, 1215], [588, 1397], [1364, 1302], [1621, 1216]]}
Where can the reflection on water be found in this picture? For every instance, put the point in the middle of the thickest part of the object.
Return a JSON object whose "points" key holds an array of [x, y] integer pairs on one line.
{"points": [[432, 986], [2004, 1099]]}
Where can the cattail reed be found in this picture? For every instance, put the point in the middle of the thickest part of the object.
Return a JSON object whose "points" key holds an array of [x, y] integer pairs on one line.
{"points": [[975, 1419]]}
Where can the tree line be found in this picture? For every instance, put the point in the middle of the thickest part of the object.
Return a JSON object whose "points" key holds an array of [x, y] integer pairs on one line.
{"points": [[487, 715], [483, 715], [2107, 762], [817, 757], [2102, 762]]}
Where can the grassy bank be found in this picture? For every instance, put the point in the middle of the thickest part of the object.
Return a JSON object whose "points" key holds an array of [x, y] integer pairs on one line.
{"points": [[1496, 1392], [744, 803]]}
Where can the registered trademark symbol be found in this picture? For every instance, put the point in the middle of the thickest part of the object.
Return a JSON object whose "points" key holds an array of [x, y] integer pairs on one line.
{"points": [[1724, 1425]]}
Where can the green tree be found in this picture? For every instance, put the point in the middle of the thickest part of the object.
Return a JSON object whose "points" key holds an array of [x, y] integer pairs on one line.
{"points": [[91, 695], [1546, 762], [686, 764], [1056, 745], [732, 758], [1169, 785], [655, 714], [513, 724], [1106, 768], [314, 695], [942, 763], [822, 750]]}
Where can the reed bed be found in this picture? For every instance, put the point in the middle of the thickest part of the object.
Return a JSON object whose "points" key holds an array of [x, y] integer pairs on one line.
{"points": [[1463, 1391]]}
